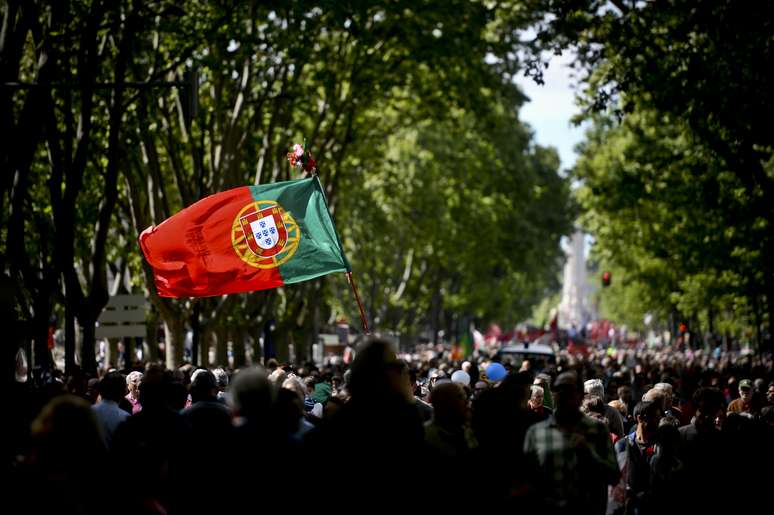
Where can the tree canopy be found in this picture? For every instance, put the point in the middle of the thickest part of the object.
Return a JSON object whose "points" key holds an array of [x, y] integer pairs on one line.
{"points": [[119, 114], [677, 168]]}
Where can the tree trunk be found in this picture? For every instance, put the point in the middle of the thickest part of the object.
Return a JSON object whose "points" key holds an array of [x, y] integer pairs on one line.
{"points": [[40, 323], [221, 346], [174, 340], [88, 358], [204, 347], [196, 333], [151, 348], [770, 312], [282, 345], [238, 347], [69, 338], [435, 315], [129, 355], [111, 354], [259, 342], [758, 321]]}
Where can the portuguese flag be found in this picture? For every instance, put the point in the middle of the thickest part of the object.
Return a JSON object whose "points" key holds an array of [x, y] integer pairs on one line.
{"points": [[245, 239]]}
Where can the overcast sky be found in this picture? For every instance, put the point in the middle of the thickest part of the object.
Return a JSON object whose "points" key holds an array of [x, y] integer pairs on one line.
{"points": [[551, 107]]}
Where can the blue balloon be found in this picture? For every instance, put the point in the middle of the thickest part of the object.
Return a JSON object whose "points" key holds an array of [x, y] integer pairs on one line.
{"points": [[496, 372]]}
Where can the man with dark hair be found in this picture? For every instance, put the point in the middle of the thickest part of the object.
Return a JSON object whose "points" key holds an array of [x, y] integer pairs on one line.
{"points": [[205, 408], [500, 420], [703, 450], [625, 396], [646, 464], [378, 426], [153, 445], [574, 453], [708, 404], [109, 416]]}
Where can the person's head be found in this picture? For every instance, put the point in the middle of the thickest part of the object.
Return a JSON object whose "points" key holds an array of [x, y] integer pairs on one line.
{"points": [[625, 394], [479, 388], [278, 376], [377, 373], [221, 379], [536, 396], [65, 437], [593, 405], [620, 406], [515, 391], [450, 404], [745, 390], [92, 389], [666, 389], [770, 394], [657, 396], [332, 406], [667, 434], [669, 420], [542, 379], [309, 383], [251, 393], [152, 387], [435, 376], [594, 387], [112, 387], [709, 403], [288, 409], [567, 392], [759, 385], [204, 386], [176, 394], [294, 384], [194, 375], [337, 382], [182, 374], [133, 381], [648, 416]]}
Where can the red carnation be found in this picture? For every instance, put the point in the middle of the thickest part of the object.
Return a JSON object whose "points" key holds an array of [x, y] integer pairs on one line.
{"points": [[292, 158], [310, 164]]}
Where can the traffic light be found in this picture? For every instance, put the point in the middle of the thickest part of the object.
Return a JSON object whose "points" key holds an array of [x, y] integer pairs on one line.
{"points": [[606, 279]]}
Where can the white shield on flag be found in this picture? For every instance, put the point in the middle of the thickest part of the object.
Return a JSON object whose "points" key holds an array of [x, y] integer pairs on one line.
{"points": [[265, 232]]}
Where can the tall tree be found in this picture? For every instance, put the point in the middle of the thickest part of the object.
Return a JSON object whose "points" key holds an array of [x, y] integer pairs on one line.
{"points": [[703, 66]]}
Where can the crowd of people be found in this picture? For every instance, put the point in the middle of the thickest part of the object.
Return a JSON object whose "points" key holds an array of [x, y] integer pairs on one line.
{"points": [[630, 431]]}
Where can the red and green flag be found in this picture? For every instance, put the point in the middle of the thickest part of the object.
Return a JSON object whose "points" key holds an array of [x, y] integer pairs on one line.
{"points": [[464, 346], [466, 342], [245, 239]]}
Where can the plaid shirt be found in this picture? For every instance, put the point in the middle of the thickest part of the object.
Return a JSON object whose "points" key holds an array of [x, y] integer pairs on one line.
{"points": [[569, 479]]}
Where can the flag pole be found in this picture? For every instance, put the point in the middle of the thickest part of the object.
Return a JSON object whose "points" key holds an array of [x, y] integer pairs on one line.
{"points": [[363, 319], [308, 164]]}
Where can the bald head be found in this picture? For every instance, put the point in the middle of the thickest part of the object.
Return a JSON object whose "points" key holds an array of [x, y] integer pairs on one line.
{"points": [[450, 404], [567, 381]]}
